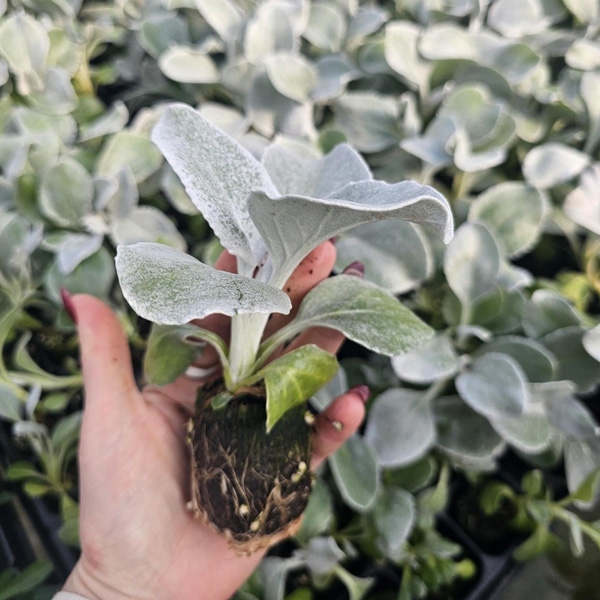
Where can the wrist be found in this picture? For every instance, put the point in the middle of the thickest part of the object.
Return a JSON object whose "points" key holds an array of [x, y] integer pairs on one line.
{"points": [[82, 583]]}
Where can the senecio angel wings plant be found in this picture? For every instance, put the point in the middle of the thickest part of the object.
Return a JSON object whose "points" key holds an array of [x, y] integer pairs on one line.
{"points": [[250, 435]]}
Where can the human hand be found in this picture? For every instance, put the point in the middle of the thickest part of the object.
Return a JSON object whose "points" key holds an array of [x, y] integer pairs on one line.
{"points": [[138, 540]]}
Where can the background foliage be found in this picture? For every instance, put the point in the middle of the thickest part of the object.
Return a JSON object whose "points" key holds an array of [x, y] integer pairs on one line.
{"points": [[496, 104]]}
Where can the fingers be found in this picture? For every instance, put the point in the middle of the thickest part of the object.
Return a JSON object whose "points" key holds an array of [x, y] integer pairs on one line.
{"points": [[338, 422], [106, 361], [312, 270]]}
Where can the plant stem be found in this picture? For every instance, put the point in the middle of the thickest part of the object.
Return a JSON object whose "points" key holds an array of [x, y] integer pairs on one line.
{"points": [[246, 333]]}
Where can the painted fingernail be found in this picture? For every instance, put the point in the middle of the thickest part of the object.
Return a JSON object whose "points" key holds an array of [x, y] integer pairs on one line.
{"points": [[333, 239], [67, 301], [362, 391], [357, 269]]}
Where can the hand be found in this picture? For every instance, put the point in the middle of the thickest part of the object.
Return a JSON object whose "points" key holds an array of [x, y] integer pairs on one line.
{"points": [[137, 538]]}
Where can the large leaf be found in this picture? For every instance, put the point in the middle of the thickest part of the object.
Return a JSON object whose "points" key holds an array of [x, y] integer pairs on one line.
{"points": [[494, 385], [396, 254], [278, 219], [316, 178], [514, 213], [362, 311], [294, 378], [400, 427], [355, 472], [169, 287], [218, 174]]}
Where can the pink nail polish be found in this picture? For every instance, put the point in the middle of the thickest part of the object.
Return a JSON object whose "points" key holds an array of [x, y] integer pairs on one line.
{"points": [[356, 269], [362, 391], [68, 304]]}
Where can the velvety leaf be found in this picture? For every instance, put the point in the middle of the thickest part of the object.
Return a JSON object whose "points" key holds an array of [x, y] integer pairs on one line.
{"points": [[401, 52], [472, 262], [354, 469], [574, 363], [217, 174], [291, 75], [465, 436], [129, 149], [368, 120], [326, 27], [514, 213], [394, 517], [582, 458], [546, 312], [269, 31], [187, 64], [582, 205], [73, 248], [494, 386], [538, 364], [58, 96], [435, 359], [516, 18], [66, 193], [111, 121], [223, 16], [160, 31], [322, 555], [10, 405], [591, 342], [294, 378], [552, 163], [354, 204], [444, 41], [363, 312], [569, 415], [529, 432], [400, 427], [314, 177], [397, 256], [318, 516], [584, 10], [334, 73], [169, 287]]}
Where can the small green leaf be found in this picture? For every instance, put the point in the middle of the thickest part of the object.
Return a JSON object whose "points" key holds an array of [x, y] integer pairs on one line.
{"points": [[318, 515], [293, 378], [540, 542], [26, 581], [35, 489], [494, 495], [23, 470], [588, 489], [355, 471], [220, 400]]}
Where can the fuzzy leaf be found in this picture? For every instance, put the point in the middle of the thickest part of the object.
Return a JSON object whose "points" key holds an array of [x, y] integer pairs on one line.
{"points": [[169, 287], [187, 64], [401, 52], [291, 75], [546, 312], [277, 219], [355, 472], [591, 342], [364, 313], [494, 385], [396, 254], [394, 516], [549, 164], [316, 178], [217, 173], [582, 205], [514, 213], [529, 432], [400, 427]]}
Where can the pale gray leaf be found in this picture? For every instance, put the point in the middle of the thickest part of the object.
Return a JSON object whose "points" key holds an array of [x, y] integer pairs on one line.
{"points": [[494, 386], [217, 174], [111, 121], [326, 27], [74, 249], [355, 471], [394, 516], [528, 433], [582, 458], [584, 54], [169, 287], [278, 219], [590, 93], [472, 262], [269, 31], [334, 73], [552, 163], [582, 205], [591, 342], [435, 359], [187, 64], [402, 54], [223, 16], [322, 555], [226, 118], [316, 178], [546, 312], [291, 75], [400, 427]]}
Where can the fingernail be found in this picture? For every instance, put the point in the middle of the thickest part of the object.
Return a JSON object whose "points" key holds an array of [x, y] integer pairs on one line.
{"points": [[362, 391], [333, 239], [357, 269], [67, 301]]}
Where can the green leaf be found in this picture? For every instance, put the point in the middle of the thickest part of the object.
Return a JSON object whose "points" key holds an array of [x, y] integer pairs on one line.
{"points": [[552, 163], [355, 472], [362, 311], [494, 495], [540, 542], [36, 489], [187, 64], [528, 432], [514, 213], [23, 470], [66, 193], [394, 517], [357, 587], [318, 516], [587, 491], [397, 256], [10, 405], [293, 378], [472, 262], [218, 175], [494, 386], [129, 149], [26, 581], [400, 427], [322, 555], [170, 287]]}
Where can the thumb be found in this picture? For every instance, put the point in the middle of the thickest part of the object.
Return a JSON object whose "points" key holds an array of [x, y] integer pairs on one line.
{"points": [[105, 357]]}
